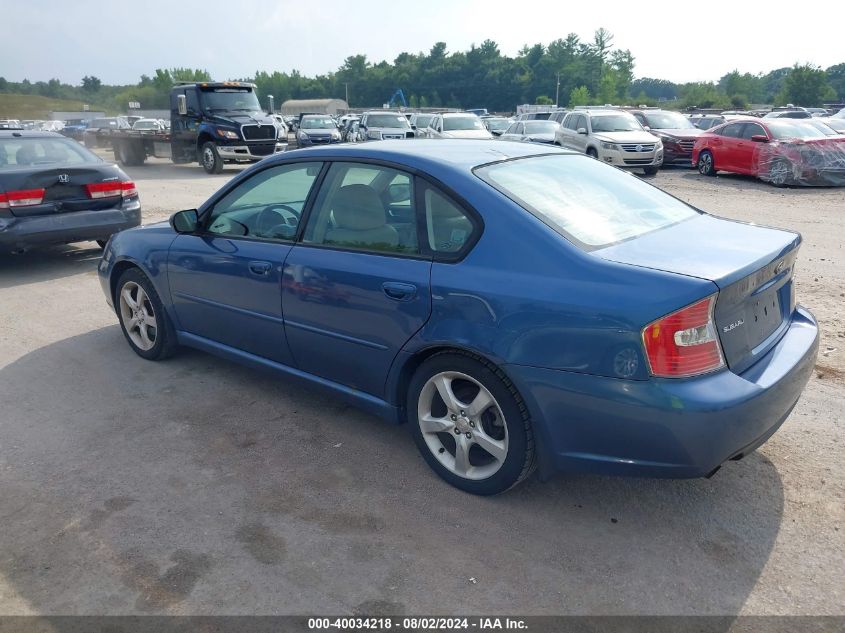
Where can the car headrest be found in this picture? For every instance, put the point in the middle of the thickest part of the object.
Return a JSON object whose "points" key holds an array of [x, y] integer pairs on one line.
{"points": [[358, 208], [26, 155]]}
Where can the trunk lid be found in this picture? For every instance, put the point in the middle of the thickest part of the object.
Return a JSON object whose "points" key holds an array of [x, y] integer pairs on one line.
{"points": [[64, 188], [751, 265]]}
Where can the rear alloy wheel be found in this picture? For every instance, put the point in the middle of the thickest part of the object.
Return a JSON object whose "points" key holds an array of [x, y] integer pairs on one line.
{"points": [[705, 164], [142, 316], [780, 172], [210, 159], [470, 424]]}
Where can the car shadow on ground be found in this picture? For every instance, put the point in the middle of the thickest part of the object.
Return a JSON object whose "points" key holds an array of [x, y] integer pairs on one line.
{"points": [[742, 182], [198, 486], [48, 262]]}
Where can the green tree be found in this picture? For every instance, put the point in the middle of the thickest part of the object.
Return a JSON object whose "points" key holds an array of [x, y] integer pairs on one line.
{"points": [[836, 79], [579, 96], [544, 100], [91, 84], [805, 85]]}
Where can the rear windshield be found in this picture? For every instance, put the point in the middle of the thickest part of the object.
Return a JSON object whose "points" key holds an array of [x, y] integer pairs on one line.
{"points": [[387, 120], [590, 204], [462, 123], [25, 152]]}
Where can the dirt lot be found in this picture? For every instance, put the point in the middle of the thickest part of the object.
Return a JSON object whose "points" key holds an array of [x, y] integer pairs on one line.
{"points": [[198, 486]]}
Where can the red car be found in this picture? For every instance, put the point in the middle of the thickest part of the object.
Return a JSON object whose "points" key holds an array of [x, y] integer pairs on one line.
{"points": [[780, 151]]}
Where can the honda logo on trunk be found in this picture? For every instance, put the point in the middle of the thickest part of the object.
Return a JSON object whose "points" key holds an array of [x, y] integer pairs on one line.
{"points": [[64, 178]]}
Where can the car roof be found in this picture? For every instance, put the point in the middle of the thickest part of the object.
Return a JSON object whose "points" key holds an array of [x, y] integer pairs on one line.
{"points": [[422, 153], [29, 134]]}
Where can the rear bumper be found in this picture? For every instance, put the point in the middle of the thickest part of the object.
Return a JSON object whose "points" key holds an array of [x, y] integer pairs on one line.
{"points": [[667, 428], [63, 228]]}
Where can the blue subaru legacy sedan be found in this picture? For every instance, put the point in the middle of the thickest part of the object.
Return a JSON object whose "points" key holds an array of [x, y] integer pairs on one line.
{"points": [[518, 306]]}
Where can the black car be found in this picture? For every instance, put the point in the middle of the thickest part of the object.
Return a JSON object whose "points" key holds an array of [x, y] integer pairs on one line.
{"points": [[54, 191]]}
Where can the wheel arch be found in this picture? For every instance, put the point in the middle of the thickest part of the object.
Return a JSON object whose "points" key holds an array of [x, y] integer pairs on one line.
{"points": [[402, 376]]}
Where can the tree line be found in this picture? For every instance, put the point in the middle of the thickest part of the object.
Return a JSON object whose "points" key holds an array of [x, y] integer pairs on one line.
{"points": [[568, 71]]}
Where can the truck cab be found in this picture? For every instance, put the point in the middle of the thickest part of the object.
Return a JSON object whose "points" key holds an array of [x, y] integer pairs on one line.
{"points": [[220, 122]]}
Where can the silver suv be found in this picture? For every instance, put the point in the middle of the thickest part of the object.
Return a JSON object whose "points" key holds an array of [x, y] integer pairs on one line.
{"points": [[383, 124], [612, 136]]}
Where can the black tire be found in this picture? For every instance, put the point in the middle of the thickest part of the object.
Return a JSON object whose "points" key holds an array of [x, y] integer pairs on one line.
{"points": [[651, 170], [706, 164], [127, 153], [210, 158], [520, 459], [165, 336], [592, 153]]}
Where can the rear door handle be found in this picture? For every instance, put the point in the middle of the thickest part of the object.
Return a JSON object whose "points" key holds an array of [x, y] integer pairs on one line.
{"points": [[259, 268], [399, 291]]}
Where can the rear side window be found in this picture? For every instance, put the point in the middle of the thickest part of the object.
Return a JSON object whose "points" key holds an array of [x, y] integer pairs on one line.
{"points": [[588, 203], [28, 152], [448, 228]]}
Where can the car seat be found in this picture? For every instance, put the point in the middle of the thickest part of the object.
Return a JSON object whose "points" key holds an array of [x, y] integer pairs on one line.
{"points": [[360, 219]]}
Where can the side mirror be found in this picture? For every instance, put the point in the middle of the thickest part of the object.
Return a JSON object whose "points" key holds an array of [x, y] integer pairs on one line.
{"points": [[760, 138], [185, 221], [413, 127], [646, 128], [582, 130], [182, 104]]}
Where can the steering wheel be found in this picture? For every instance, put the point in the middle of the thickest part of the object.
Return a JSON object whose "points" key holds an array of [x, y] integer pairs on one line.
{"points": [[273, 217]]}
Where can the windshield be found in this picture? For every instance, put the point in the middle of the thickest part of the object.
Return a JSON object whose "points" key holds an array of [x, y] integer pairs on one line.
{"points": [[615, 123], [824, 128], [230, 99], [387, 120], [785, 129], [667, 121], [497, 124], [586, 202], [423, 120], [25, 152], [540, 127], [462, 123], [317, 123]]}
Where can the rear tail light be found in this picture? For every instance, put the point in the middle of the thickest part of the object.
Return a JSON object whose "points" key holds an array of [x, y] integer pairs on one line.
{"points": [[22, 198], [685, 342], [99, 190]]}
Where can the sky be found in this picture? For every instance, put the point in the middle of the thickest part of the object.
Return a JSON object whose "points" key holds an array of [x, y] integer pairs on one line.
{"points": [[118, 41]]}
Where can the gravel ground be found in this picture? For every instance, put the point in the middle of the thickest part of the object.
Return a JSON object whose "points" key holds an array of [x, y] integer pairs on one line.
{"points": [[198, 486]]}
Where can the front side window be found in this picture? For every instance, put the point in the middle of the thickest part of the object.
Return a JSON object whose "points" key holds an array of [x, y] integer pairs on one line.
{"points": [[365, 207], [588, 203], [753, 129], [268, 205]]}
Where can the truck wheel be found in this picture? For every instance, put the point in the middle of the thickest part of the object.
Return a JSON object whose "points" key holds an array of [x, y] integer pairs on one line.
{"points": [[126, 154], [210, 159]]}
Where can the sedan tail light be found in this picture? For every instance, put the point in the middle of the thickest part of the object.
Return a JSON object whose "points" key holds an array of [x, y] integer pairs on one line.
{"points": [[685, 342], [22, 198], [98, 190]]}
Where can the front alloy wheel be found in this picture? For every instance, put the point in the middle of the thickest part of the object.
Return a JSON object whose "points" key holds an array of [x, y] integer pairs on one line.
{"points": [[138, 316]]}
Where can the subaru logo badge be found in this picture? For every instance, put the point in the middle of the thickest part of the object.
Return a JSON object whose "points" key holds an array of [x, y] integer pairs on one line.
{"points": [[639, 148], [64, 178]]}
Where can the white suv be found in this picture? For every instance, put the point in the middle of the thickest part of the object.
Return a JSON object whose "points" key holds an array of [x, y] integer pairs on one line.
{"points": [[612, 136]]}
